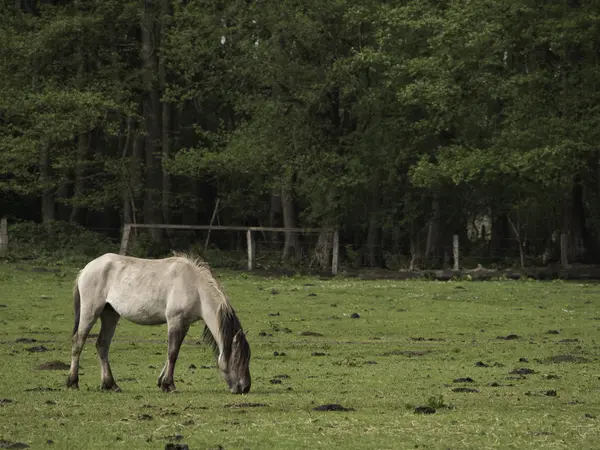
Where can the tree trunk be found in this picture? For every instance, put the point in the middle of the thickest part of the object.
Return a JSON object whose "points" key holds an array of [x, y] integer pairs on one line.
{"points": [[166, 124], [323, 250], [573, 223], [372, 258], [517, 232], [62, 211], [415, 247], [578, 219], [433, 230], [166, 151], [83, 144], [132, 174], [291, 245], [48, 202], [373, 250], [566, 228], [274, 212], [152, 114], [190, 213], [500, 237]]}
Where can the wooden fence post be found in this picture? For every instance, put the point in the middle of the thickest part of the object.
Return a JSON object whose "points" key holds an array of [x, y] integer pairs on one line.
{"points": [[125, 239], [3, 237], [251, 250], [455, 251], [336, 253]]}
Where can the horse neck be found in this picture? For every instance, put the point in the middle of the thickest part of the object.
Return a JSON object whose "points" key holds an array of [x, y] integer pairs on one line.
{"points": [[212, 309]]}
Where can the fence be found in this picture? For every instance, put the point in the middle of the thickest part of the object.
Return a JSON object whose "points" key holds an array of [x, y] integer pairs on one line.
{"points": [[250, 242], [254, 247]]}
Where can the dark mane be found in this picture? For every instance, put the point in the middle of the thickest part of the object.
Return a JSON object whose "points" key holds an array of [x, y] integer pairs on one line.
{"points": [[229, 325]]}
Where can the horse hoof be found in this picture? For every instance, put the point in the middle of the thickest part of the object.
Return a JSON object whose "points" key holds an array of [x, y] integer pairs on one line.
{"points": [[73, 384], [168, 388], [112, 387]]}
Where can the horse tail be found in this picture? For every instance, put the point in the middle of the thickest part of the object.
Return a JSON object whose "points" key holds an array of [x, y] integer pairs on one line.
{"points": [[76, 305]]}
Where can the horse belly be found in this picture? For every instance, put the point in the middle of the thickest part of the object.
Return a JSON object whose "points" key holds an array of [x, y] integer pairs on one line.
{"points": [[146, 312]]}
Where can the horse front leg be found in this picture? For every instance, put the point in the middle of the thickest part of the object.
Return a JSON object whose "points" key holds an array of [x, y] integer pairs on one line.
{"points": [[162, 373], [177, 332]]}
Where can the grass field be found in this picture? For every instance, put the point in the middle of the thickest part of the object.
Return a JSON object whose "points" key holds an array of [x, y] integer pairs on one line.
{"points": [[528, 347]]}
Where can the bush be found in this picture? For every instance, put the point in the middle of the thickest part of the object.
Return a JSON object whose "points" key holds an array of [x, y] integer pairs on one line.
{"points": [[56, 241]]}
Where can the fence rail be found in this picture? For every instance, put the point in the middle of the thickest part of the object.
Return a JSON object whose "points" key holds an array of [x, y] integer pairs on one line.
{"points": [[251, 244]]}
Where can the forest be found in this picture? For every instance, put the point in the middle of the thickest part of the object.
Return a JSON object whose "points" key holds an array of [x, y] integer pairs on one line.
{"points": [[398, 123]]}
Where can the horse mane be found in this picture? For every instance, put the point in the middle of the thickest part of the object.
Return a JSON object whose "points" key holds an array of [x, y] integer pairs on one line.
{"points": [[204, 268], [229, 325], [228, 322], [194, 259]]}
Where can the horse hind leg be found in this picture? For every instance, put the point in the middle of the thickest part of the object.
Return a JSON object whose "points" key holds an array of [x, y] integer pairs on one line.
{"points": [[177, 332], [84, 322], [109, 319]]}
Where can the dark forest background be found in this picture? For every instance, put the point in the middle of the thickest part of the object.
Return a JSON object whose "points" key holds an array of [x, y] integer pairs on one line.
{"points": [[400, 123]]}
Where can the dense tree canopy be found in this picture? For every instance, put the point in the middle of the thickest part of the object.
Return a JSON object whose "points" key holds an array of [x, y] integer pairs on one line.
{"points": [[400, 123]]}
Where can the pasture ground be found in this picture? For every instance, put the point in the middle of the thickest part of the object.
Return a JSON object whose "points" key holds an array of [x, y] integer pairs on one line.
{"points": [[528, 347]]}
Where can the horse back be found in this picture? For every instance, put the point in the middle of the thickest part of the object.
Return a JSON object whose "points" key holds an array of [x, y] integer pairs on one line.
{"points": [[145, 291]]}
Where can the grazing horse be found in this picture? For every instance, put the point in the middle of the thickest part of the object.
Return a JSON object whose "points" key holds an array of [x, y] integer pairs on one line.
{"points": [[176, 290]]}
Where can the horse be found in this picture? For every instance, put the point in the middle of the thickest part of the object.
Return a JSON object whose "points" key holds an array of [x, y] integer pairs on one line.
{"points": [[178, 291]]}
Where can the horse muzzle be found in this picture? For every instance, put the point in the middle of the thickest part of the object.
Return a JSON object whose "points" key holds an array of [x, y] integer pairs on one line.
{"points": [[240, 388]]}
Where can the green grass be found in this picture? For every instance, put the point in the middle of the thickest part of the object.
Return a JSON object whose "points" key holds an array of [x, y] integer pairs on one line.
{"points": [[422, 335]]}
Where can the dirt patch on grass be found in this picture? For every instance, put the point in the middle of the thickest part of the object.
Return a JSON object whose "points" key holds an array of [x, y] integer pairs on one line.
{"points": [[464, 389], [522, 371], [37, 349], [424, 410], [427, 339], [42, 389], [175, 437], [567, 359], [281, 377], [172, 446], [54, 365], [510, 337], [332, 407], [464, 380], [310, 333], [25, 340], [549, 393], [10, 444], [408, 353], [246, 405]]}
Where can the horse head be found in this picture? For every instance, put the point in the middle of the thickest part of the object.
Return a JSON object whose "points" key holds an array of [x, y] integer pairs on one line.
{"points": [[234, 364]]}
